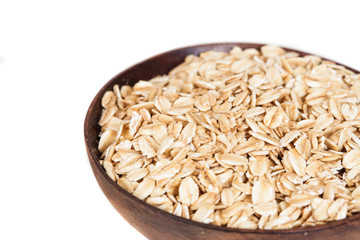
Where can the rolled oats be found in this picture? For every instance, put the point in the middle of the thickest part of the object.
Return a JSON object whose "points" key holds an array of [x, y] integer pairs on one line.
{"points": [[263, 139]]}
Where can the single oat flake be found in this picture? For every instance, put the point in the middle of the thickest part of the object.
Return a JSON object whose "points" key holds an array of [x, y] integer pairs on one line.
{"points": [[256, 139]]}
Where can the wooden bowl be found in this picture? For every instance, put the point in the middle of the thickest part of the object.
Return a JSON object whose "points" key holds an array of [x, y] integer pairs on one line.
{"points": [[160, 225]]}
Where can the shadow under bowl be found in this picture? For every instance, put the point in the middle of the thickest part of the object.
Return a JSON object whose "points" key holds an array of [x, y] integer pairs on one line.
{"points": [[159, 225]]}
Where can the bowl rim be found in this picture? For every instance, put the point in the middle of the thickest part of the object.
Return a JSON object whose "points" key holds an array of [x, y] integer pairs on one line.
{"points": [[95, 159]]}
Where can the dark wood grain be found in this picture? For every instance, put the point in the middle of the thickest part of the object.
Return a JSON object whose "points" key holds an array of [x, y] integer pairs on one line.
{"points": [[156, 224]]}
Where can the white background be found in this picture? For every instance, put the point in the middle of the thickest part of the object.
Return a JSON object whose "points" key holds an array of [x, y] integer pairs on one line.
{"points": [[56, 55]]}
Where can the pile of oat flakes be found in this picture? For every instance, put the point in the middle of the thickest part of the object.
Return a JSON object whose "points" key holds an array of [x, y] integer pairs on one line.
{"points": [[258, 139]]}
